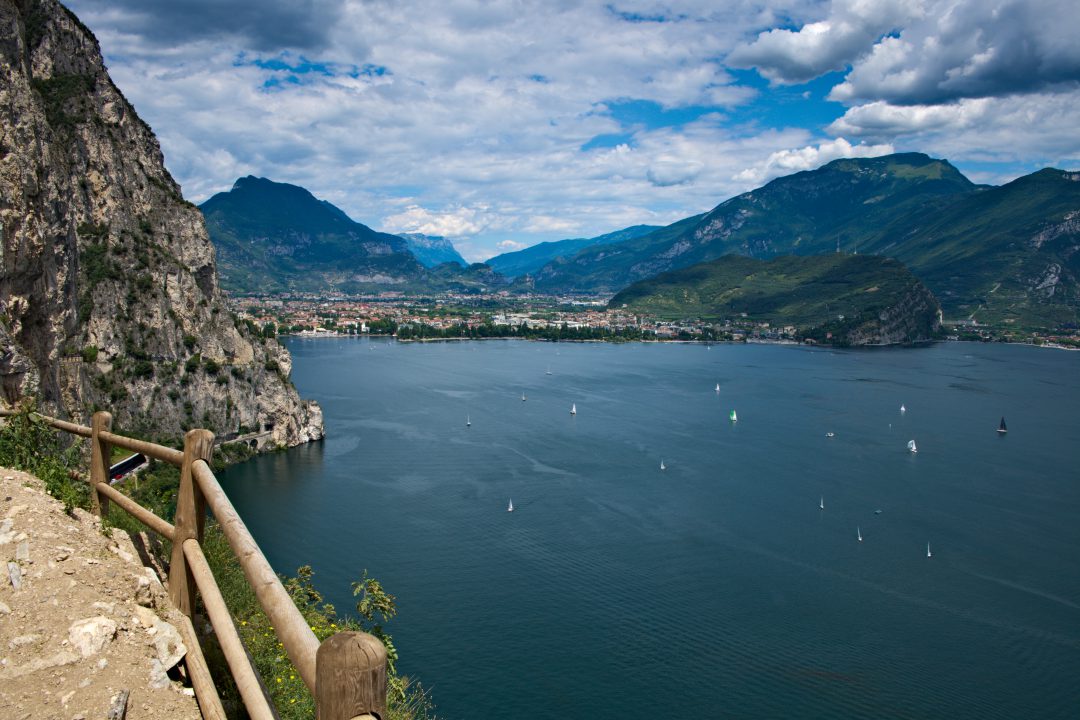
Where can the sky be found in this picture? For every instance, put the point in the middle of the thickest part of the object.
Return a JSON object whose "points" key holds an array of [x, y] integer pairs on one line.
{"points": [[505, 123]]}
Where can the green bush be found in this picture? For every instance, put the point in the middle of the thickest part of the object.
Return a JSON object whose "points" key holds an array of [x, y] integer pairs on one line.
{"points": [[27, 443], [90, 353]]}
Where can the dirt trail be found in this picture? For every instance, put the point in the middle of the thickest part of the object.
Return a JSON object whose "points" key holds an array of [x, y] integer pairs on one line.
{"points": [[81, 619]]}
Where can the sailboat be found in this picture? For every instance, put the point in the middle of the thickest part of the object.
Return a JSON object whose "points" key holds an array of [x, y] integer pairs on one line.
{"points": [[468, 422], [522, 397], [573, 408], [717, 387], [734, 417], [662, 464], [1001, 428], [548, 370], [822, 503], [858, 532], [510, 507], [903, 409], [928, 550], [911, 446]]}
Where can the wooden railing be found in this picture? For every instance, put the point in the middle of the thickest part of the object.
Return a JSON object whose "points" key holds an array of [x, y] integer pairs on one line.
{"points": [[346, 674]]}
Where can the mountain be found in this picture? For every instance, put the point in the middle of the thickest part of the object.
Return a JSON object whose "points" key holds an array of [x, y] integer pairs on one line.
{"points": [[805, 213], [432, 250], [838, 299], [108, 286], [531, 259], [274, 236], [1006, 254]]}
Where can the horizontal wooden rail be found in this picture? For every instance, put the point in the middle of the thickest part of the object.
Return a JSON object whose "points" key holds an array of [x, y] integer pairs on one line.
{"points": [[73, 428], [257, 704], [149, 449], [147, 518], [295, 634]]}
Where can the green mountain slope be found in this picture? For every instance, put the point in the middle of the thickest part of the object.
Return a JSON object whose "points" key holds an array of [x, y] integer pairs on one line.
{"points": [[531, 259], [805, 213], [274, 236], [1005, 254], [841, 299]]}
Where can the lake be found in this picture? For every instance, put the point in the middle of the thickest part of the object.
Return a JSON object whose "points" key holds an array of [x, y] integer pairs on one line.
{"points": [[716, 587]]}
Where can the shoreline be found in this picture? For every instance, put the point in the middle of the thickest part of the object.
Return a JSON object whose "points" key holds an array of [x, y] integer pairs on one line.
{"points": [[748, 341]]}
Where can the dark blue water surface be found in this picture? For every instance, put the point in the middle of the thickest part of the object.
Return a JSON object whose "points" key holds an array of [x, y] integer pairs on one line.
{"points": [[715, 588]]}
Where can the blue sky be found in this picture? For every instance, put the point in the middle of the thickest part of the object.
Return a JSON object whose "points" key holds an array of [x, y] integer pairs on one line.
{"points": [[509, 122]]}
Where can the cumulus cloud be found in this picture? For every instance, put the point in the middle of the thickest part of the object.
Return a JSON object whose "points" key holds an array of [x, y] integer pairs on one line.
{"points": [[971, 49], [451, 223], [850, 30], [1009, 129], [786, 162], [510, 245], [666, 171]]}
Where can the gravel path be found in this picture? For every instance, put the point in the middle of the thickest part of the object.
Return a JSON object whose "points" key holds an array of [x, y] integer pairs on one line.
{"points": [[81, 619]]}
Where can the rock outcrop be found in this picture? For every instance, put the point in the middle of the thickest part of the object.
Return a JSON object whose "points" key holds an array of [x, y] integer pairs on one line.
{"points": [[108, 287]]}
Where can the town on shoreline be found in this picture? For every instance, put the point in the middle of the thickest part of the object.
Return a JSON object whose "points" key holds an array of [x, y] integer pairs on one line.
{"points": [[461, 316]]}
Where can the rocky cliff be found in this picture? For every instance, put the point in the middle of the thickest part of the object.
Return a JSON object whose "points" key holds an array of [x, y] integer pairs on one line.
{"points": [[108, 288]]}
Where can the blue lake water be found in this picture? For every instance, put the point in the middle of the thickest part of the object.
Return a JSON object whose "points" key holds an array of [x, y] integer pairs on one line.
{"points": [[717, 587]]}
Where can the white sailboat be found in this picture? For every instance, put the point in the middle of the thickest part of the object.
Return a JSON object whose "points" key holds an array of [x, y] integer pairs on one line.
{"points": [[733, 417], [573, 408], [468, 422], [510, 507], [822, 503], [911, 446], [858, 532], [928, 554], [717, 387], [522, 397], [902, 409], [548, 370], [662, 464]]}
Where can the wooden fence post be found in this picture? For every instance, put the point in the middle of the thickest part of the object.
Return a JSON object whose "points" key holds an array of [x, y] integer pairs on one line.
{"points": [[189, 521], [100, 455], [350, 677]]}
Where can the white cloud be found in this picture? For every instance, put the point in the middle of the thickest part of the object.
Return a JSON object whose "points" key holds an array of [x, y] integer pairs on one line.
{"points": [[1009, 129], [786, 162], [971, 49], [451, 223], [849, 31], [510, 245]]}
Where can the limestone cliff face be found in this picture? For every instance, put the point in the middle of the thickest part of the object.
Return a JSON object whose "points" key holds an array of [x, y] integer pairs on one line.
{"points": [[108, 288]]}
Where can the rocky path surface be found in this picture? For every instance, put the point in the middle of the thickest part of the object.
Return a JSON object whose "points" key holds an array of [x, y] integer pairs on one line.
{"points": [[81, 619]]}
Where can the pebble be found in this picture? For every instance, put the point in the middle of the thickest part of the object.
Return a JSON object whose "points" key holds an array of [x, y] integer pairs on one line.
{"points": [[15, 575]]}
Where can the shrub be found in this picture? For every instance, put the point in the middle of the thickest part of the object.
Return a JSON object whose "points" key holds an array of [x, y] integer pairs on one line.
{"points": [[28, 443]]}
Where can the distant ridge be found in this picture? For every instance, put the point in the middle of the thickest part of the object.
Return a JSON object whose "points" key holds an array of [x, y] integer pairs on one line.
{"points": [[432, 250], [531, 259]]}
